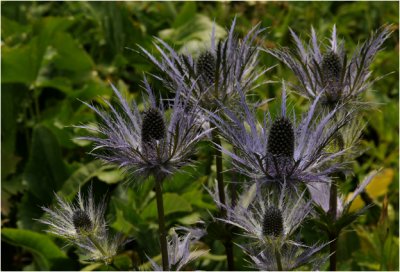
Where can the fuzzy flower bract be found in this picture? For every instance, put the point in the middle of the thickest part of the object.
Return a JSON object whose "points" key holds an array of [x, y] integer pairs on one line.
{"points": [[325, 69], [148, 143]]}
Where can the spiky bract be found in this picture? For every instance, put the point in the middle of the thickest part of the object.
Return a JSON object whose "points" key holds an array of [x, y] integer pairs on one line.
{"points": [[329, 71], [83, 224], [282, 150], [217, 73]]}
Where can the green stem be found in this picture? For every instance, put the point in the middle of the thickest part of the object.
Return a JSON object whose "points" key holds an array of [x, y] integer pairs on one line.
{"points": [[333, 236], [161, 223], [278, 260], [221, 193], [96, 244]]}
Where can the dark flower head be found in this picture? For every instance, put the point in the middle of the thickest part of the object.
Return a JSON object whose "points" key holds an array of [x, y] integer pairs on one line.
{"points": [[205, 66], [82, 222], [339, 80], [147, 144], [272, 222], [281, 138], [153, 127]]}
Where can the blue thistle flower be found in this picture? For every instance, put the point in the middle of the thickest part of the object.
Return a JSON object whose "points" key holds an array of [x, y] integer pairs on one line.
{"points": [[270, 222], [218, 71], [280, 149], [329, 71], [149, 143]]}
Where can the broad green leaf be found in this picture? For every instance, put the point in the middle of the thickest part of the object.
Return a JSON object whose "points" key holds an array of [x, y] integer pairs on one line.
{"points": [[45, 172], [70, 56], [79, 178], [47, 255], [172, 203]]}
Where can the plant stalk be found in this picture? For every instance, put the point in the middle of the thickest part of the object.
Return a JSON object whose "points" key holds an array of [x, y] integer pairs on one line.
{"points": [[278, 260], [161, 223], [96, 244], [221, 194], [333, 235]]}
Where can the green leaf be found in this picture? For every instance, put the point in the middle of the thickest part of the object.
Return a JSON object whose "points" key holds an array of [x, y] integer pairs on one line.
{"points": [[172, 203], [48, 255], [70, 55], [45, 171]]}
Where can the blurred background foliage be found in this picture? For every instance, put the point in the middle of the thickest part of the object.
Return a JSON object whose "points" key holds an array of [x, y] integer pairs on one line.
{"points": [[55, 54]]}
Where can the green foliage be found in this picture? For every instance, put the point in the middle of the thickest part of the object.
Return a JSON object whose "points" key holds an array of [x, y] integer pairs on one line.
{"points": [[57, 53]]}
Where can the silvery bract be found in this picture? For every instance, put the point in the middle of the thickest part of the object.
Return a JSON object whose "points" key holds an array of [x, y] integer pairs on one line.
{"points": [[83, 224], [147, 143], [325, 69], [216, 73], [179, 253], [270, 222]]}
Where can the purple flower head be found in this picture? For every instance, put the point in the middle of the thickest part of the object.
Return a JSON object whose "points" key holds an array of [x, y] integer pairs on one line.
{"points": [[216, 73], [156, 142], [326, 69], [281, 149]]}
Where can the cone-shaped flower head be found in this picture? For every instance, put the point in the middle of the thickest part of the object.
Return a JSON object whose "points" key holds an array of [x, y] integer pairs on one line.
{"points": [[280, 149], [328, 70], [153, 127], [148, 143], [272, 222], [216, 73], [205, 66], [281, 138], [82, 222]]}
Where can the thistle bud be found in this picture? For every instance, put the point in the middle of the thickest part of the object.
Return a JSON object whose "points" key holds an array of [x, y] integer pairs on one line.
{"points": [[153, 127], [331, 67], [272, 222], [82, 221], [206, 66], [281, 138]]}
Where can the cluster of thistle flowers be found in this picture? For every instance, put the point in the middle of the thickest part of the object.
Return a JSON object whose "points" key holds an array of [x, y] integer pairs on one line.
{"points": [[284, 159]]}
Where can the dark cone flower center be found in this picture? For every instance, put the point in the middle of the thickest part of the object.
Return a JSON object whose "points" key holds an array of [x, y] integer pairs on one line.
{"points": [[81, 221], [273, 222], [153, 127], [281, 138], [331, 67], [206, 66]]}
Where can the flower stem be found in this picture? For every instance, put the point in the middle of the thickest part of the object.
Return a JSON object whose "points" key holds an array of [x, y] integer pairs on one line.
{"points": [[333, 236], [161, 223], [278, 260], [221, 193], [96, 244]]}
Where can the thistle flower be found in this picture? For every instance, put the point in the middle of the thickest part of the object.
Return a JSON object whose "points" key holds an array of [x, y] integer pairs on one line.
{"points": [[280, 149], [179, 253], [73, 221], [148, 143], [83, 224], [216, 73], [327, 70], [270, 222]]}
